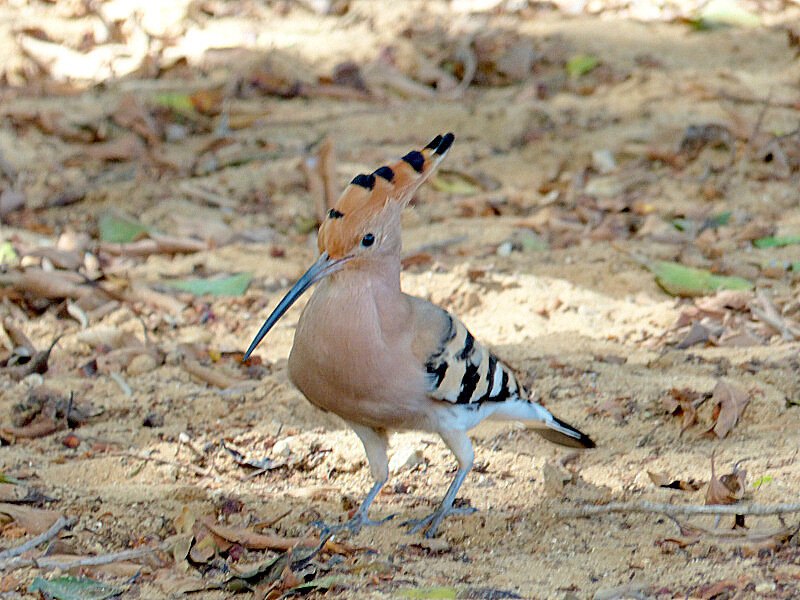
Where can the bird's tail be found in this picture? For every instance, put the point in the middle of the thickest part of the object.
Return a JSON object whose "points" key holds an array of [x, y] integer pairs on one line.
{"points": [[562, 433], [543, 422]]}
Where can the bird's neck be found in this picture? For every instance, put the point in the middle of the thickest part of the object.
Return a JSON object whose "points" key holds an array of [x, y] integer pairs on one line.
{"points": [[377, 273]]}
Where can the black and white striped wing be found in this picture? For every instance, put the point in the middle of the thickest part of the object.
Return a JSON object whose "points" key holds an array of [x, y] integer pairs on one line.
{"points": [[462, 371]]}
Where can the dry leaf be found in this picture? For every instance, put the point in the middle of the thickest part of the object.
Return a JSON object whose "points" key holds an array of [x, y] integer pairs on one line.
{"points": [[184, 524], [739, 339], [16, 494], [257, 541], [203, 549], [685, 403], [728, 489], [723, 301], [41, 426], [33, 520], [126, 147], [698, 334], [731, 401]]}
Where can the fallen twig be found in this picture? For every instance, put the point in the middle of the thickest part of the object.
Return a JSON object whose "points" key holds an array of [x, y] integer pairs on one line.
{"points": [[209, 196], [748, 100], [466, 55], [157, 300], [156, 244], [772, 317], [60, 524], [211, 376], [89, 561], [316, 186], [675, 509], [327, 169]]}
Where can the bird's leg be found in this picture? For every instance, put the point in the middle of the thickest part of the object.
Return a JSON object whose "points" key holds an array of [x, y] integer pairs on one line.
{"points": [[375, 445], [459, 443]]}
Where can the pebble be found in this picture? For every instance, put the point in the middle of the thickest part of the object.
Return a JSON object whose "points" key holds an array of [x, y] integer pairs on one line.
{"points": [[140, 364], [282, 447], [175, 132], [606, 186], [435, 545], [505, 249], [603, 160], [765, 586]]}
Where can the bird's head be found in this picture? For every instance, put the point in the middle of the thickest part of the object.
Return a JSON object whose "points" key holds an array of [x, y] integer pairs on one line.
{"points": [[364, 225]]}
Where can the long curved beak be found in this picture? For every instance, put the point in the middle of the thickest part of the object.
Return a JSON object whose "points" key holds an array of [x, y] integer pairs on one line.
{"points": [[322, 267]]}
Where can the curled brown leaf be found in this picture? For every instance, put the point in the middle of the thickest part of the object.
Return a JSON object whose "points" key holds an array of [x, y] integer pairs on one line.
{"points": [[728, 488], [731, 401]]}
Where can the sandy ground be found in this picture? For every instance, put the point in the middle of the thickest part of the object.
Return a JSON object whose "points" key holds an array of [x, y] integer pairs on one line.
{"points": [[571, 307]]}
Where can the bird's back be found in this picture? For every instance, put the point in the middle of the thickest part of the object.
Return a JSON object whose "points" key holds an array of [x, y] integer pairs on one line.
{"points": [[467, 383]]}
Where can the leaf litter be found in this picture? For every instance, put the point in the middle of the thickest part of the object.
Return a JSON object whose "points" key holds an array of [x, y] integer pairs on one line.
{"points": [[200, 149]]}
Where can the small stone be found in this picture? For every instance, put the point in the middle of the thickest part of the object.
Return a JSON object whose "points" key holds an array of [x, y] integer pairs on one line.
{"points": [[284, 447], [405, 458], [603, 161], [175, 132], [505, 249], [140, 364], [764, 587], [437, 545], [606, 186]]}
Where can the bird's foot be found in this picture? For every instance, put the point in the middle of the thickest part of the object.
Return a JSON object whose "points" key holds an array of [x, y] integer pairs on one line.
{"points": [[352, 526], [432, 521]]}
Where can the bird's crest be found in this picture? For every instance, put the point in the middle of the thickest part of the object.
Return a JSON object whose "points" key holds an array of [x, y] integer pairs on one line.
{"points": [[368, 195]]}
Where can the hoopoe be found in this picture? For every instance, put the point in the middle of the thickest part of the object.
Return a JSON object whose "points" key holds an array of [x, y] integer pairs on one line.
{"points": [[385, 361]]}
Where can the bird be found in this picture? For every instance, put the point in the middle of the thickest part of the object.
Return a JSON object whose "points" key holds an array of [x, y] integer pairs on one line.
{"points": [[385, 361]]}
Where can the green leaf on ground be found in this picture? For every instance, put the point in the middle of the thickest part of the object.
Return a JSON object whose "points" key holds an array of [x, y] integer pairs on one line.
{"points": [[12, 480], [7, 253], [233, 285], [304, 225], [454, 183], [725, 13], [776, 242], [680, 280], [119, 229], [72, 588], [684, 224], [761, 481], [181, 103], [580, 64], [428, 592]]}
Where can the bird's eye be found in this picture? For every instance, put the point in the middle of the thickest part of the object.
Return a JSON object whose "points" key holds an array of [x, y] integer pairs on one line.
{"points": [[368, 240]]}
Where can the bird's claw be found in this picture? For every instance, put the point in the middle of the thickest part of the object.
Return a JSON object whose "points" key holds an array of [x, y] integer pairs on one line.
{"points": [[353, 526], [432, 521]]}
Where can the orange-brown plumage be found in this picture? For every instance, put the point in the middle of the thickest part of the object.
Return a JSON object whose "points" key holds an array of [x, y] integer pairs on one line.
{"points": [[390, 189], [383, 360]]}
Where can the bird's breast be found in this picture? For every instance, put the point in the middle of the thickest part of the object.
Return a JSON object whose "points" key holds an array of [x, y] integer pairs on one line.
{"points": [[352, 356]]}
